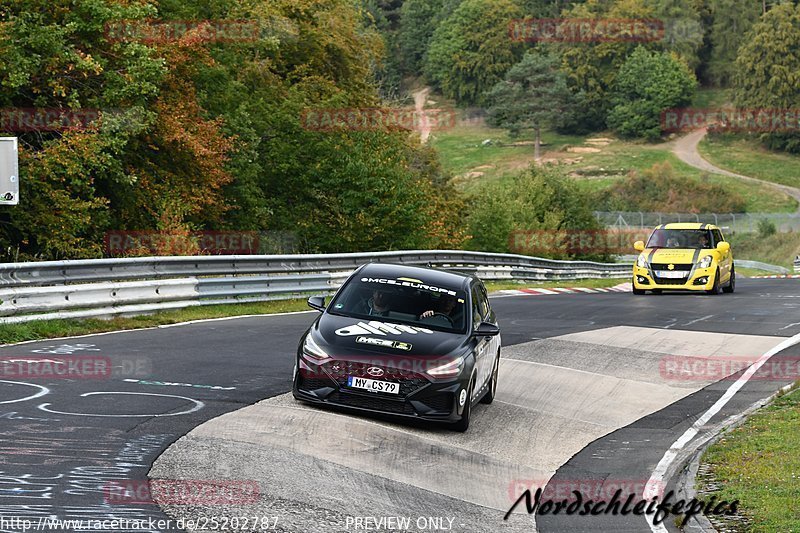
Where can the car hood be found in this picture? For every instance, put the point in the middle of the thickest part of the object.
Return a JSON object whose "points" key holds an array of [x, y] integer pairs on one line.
{"points": [[675, 255], [342, 337]]}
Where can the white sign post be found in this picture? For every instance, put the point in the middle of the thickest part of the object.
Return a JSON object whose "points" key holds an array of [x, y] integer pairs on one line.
{"points": [[9, 171]]}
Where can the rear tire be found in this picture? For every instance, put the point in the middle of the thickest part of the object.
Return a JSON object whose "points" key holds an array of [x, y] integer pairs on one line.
{"points": [[463, 424], [716, 288], [731, 283], [490, 394]]}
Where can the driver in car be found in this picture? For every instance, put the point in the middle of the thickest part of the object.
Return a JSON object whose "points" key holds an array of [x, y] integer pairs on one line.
{"points": [[379, 304], [445, 306]]}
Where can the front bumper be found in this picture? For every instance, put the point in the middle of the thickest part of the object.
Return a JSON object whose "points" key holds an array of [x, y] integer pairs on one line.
{"points": [[420, 397], [698, 279]]}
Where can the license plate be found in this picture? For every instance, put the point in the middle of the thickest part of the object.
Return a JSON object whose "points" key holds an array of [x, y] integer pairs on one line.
{"points": [[373, 385], [672, 273]]}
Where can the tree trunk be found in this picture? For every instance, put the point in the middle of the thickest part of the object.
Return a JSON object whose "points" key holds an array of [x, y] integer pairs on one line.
{"points": [[537, 151]]}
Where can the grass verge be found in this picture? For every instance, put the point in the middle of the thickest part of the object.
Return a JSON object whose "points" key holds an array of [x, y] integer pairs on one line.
{"points": [[48, 329], [747, 157], [758, 464], [776, 249], [750, 272], [595, 166], [587, 283], [464, 154]]}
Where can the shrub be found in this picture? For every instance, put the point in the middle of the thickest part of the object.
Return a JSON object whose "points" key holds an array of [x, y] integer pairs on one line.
{"points": [[766, 227], [659, 189], [540, 198]]}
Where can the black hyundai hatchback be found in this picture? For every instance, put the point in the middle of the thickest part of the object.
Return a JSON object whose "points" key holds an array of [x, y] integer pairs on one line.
{"points": [[406, 341]]}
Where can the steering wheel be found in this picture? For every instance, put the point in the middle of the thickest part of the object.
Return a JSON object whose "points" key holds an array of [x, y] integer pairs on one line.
{"points": [[452, 324]]}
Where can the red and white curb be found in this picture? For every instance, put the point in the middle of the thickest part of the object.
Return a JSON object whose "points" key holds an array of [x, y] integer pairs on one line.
{"points": [[622, 287], [776, 276]]}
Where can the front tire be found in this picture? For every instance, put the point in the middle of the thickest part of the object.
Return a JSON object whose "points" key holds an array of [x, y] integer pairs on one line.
{"points": [[462, 425], [490, 394], [731, 283], [716, 288]]}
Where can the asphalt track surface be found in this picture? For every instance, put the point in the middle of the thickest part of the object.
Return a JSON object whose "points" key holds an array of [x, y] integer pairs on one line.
{"points": [[66, 442]]}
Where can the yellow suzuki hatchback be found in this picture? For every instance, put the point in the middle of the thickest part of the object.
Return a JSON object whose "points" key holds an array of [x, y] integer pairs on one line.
{"points": [[685, 257]]}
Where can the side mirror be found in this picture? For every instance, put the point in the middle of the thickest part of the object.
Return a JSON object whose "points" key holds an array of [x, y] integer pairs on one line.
{"points": [[723, 247], [317, 302], [638, 246], [486, 329]]}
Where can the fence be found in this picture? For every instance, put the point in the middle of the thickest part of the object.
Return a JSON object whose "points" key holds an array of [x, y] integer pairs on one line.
{"points": [[105, 287], [730, 222]]}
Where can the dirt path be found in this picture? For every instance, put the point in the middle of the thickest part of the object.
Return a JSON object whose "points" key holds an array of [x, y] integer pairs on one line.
{"points": [[685, 148], [420, 98]]}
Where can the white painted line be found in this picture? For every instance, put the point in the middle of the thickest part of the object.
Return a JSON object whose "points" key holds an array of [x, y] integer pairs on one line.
{"points": [[546, 291], [657, 479], [698, 320]]}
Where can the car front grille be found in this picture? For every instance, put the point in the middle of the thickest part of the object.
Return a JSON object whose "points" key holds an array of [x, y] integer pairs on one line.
{"points": [[670, 281], [409, 382], [675, 266], [374, 403]]}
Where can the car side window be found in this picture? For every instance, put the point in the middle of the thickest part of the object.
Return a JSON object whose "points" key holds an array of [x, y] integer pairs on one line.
{"points": [[484, 302], [717, 237], [477, 314]]}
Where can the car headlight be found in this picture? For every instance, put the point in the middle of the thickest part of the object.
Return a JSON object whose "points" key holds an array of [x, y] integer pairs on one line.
{"points": [[641, 262], [705, 262], [312, 349], [452, 368]]}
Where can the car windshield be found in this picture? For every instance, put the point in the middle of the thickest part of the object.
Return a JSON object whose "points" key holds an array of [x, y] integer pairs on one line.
{"points": [[404, 301], [680, 238]]}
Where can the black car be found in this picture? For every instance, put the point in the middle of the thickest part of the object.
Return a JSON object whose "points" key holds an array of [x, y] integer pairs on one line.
{"points": [[407, 341]]}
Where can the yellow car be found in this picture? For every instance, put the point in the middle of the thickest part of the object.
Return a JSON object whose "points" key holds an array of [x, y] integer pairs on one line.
{"points": [[684, 256]]}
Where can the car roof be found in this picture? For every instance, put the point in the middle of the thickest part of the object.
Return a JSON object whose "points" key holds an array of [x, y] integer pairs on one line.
{"points": [[687, 225], [431, 276]]}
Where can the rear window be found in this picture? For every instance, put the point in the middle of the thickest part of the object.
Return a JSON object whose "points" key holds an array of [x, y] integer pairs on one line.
{"points": [[402, 300], [681, 238]]}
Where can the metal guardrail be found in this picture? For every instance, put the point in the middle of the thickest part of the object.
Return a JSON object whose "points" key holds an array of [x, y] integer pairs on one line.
{"points": [[104, 287], [777, 269]]}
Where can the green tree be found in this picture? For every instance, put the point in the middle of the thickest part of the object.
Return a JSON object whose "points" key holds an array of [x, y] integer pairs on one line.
{"points": [[204, 134], [683, 28], [419, 19], [768, 70], [533, 95], [545, 8], [540, 199], [471, 50], [56, 56], [732, 21], [592, 66], [647, 84]]}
